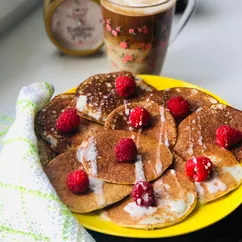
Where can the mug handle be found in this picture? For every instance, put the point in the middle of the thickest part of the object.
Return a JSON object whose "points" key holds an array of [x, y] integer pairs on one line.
{"points": [[183, 21]]}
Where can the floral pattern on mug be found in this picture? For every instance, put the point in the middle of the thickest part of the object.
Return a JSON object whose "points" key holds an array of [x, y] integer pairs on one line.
{"points": [[142, 60], [145, 46], [127, 58], [114, 64], [108, 27], [140, 30], [132, 31], [118, 29], [114, 32], [109, 48], [142, 45], [145, 29], [163, 28], [164, 43], [123, 44]]}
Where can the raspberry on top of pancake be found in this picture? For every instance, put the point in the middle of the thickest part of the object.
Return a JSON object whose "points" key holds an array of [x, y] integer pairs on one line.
{"points": [[100, 161], [46, 124], [226, 174], [196, 98], [162, 125], [175, 196], [99, 195], [97, 97], [200, 127]]}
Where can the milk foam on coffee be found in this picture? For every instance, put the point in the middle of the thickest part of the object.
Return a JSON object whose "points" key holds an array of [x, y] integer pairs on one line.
{"points": [[143, 7]]}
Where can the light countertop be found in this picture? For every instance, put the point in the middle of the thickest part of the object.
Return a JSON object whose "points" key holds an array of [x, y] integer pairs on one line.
{"points": [[207, 53]]}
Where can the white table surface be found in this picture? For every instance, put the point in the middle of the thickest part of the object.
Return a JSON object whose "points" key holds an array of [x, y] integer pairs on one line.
{"points": [[208, 53]]}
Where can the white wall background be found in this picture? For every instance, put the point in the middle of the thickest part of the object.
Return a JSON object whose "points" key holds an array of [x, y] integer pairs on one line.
{"points": [[13, 11]]}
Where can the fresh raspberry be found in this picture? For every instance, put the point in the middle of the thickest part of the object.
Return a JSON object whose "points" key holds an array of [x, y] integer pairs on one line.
{"points": [[227, 136], [125, 150], [178, 107], [68, 121], [125, 86], [199, 168], [77, 181], [143, 194], [139, 118]]}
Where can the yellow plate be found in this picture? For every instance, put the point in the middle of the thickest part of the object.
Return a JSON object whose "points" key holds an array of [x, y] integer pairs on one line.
{"points": [[201, 217]]}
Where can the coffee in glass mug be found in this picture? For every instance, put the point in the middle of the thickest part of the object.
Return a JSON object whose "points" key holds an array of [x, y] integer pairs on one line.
{"points": [[137, 33]]}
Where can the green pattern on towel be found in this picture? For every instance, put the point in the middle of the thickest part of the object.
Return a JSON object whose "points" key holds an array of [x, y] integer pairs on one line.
{"points": [[30, 209]]}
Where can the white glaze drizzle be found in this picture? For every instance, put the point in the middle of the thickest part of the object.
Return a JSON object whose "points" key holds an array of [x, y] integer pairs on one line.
{"points": [[172, 209], [200, 137], [167, 186], [175, 208], [139, 169], [158, 165], [97, 115], [52, 140], [81, 103], [190, 149], [79, 154], [126, 109], [148, 99], [212, 100], [194, 91], [173, 172], [138, 137], [199, 189], [90, 154], [215, 184], [235, 172], [96, 186], [163, 120], [136, 211]]}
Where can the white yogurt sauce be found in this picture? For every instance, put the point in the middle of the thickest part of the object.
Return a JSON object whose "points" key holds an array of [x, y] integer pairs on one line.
{"points": [[96, 186], [126, 109], [136, 211], [235, 172], [79, 154], [52, 140], [81, 103], [139, 169], [158, 166], [90, 155], [97, 115], [215, 185]]}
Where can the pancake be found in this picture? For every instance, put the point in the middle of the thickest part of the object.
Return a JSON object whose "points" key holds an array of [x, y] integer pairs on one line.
{"points": [[96, 97], [99, 195], [200, 127], [46, 125], [227, 174], [46, 154], [195, 97], [163, 126], [176, 197], [100, 162]]}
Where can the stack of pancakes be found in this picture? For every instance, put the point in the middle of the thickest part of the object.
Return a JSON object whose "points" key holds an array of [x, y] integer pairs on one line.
{"points": [[163, 149]]}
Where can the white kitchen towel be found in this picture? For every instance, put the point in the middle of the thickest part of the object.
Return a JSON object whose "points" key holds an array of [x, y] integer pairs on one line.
{"points": [[30, 209]]}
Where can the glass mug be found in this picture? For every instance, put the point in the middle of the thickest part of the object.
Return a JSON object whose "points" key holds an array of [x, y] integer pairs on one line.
{"points": [[137, 33]]}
